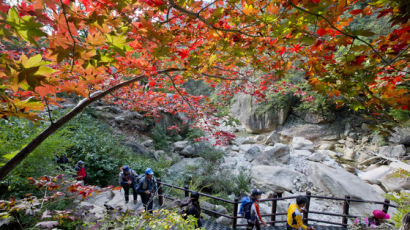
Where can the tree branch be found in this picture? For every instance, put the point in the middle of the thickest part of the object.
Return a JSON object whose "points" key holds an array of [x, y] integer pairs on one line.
{"points": [[196, 15], [71, 35], [341, 31], [22, 154]]}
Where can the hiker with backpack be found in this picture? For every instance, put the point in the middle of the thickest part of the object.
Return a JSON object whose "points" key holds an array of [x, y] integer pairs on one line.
{"points": [[294, 219], [128, 179], [147, 188], [250, 210], [193, 208]]}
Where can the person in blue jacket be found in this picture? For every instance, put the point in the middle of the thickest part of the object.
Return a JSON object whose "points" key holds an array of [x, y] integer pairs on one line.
{"points": [[147, 188], [128, 179]]}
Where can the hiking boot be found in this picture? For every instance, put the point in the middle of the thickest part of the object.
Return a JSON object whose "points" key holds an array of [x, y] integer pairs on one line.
{"points": [[126, 201], [135, 201]]}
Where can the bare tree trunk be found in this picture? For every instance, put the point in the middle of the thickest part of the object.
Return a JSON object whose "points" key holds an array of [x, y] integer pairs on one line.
{"points": [[19, 157]]}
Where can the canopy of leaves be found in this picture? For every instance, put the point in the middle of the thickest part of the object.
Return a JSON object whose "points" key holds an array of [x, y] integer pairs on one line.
{"points": [[80, 47]]}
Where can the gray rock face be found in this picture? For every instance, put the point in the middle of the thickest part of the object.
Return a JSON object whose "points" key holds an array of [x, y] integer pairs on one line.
{"points": [[272, 138], [180, 145], [179, 168], [312, 132], [316, 118], [302, 143], [329, 153], [394, 183], [401, 136], [393, 151], [257, 117], [274, 178], [318, 157], [279, 153], [252, 153], [339, 182], [137, 148], [189, 151]]}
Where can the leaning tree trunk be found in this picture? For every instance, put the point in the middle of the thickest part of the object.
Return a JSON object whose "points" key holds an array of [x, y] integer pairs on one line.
{"points": [[19, 157]]}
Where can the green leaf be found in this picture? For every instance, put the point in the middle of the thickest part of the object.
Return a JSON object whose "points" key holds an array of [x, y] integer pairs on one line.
{"points": [[13, 16], [10, 155]]}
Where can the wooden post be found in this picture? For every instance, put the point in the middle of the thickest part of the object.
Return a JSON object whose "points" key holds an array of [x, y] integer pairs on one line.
{"points": [[306, 213], [345, 211], [235, 213], [186, 189], [160, 196], [274, 205], [386, 205]]}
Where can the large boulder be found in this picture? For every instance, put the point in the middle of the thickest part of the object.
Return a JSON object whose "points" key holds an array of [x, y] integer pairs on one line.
{"points": [[272, 138], [252, 153], [302, 143], [274, 178], [373, 176], [339, 182], [401, 136], [393, 151], [279, 153], [395, 183], [179, 169], [180, 145], [312, 132], [258, 117], [137, 148]]}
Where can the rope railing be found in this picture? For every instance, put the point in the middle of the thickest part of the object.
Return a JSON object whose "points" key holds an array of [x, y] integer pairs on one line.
{"points": [[278, 197]]}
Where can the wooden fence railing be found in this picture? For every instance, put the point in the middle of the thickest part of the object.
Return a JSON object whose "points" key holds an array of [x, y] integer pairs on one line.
{"points": [[347, 200]]}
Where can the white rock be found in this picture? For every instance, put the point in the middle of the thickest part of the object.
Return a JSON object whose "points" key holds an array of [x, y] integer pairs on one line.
{"points": [[330, 153], [279, 153], [393, 151], [339, 182], [301, 152], [373, 176], [274, 178], [148, 143], [180, 145], [396, 184], [318, 157], [302, 143]]}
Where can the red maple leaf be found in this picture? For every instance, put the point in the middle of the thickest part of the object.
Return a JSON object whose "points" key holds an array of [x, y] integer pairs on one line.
{"points": [[316, 1], [183, 53], [322, 32], [355, 12]]}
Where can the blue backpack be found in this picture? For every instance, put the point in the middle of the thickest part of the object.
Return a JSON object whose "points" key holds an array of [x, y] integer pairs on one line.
{"points": [[246, 206]]}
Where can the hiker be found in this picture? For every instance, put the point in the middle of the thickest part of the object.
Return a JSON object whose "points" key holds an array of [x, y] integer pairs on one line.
{"points": [[128, 179], [378, 218], [294, 220], [193, 208], [250, 210], [147, 187], [81, 174]]}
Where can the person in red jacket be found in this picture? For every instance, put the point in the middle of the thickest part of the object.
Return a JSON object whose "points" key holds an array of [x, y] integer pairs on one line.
{"points": [[81, 174]]}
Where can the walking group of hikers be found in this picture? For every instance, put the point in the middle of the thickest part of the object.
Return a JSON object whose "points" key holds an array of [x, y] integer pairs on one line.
{"points": [[146, 186]]}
